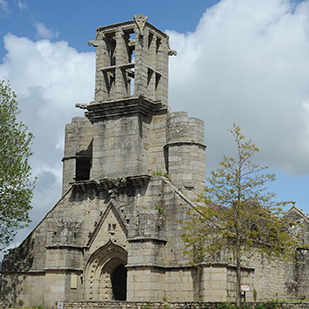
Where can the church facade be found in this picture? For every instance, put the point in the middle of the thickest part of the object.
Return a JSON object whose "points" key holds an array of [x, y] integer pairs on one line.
{"points": [[131, 169]]}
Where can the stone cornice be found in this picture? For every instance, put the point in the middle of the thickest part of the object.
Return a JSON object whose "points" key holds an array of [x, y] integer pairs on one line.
{"points": [[63, 269], [98, 111], [64, 246], [23, 272], [147, 239], [107, 184], [180, 143], [187, 266], [127, 26]]}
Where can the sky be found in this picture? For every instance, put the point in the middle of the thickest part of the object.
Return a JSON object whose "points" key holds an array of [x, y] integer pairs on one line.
{"points": [[242, 61]]}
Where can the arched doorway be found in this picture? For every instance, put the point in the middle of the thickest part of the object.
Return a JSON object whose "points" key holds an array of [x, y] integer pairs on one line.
{"points": [[106, 274], [119, 283]]}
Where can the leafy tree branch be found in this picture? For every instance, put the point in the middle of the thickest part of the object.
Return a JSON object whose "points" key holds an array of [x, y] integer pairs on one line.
{"points": [[16, 185]]}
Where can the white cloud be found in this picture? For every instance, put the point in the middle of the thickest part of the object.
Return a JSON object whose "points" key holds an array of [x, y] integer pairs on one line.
{"points": [[4, 6], [248, 62], [44, 33], [48, 78], [22, 5]]}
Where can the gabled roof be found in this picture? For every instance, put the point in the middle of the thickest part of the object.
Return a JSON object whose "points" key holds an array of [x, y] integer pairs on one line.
{"points": [[112, 207], [296, 211]]}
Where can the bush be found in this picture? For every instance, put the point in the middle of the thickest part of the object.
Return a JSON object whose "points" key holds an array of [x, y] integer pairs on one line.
{"points": [[245, 306], [226, 306]]}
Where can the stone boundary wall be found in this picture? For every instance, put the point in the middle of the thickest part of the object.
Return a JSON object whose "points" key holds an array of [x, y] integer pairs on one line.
{"points": [[158, 305], [163, 305]]}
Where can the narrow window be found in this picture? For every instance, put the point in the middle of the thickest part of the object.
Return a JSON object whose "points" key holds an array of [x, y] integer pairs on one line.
{"points": [[82, 169]]}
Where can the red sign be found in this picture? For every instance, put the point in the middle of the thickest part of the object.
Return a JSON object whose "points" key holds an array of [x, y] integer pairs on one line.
{"points": [[244, 288]]}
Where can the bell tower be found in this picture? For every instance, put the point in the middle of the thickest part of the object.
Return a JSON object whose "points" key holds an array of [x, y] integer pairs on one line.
{"points": [[128, 130], [131, 60], [131, 88]]}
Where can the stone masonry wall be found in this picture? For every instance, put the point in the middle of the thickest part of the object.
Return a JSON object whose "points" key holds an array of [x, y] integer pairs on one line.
{"points": [[157, 155], [163, 305], [119, 147]]}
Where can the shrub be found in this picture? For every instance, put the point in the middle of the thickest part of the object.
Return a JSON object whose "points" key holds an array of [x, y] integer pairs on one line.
{"points": [[255, 294], [226, 306]]}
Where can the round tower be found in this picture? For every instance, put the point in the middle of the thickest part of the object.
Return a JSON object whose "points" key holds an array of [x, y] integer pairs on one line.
{"points": [[186, 152]]}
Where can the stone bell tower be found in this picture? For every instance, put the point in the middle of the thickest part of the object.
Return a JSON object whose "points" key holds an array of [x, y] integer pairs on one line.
{"points": [[131, 92], [128, 129], [131, 60]]}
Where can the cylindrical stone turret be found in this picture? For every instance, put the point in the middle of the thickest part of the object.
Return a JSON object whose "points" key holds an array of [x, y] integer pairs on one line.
{"points": [[186, 152]]}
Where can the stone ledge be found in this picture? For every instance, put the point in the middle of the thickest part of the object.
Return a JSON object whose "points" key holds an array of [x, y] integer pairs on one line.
{"points": [[147, 239], [98, 111], [107, 184], [64, 246], [23, 272], [125, 26], [180, 143], [63, 269]]}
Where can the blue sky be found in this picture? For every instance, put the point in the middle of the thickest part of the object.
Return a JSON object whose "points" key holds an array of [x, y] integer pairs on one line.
{"points": [[242, 61], [76, 21]]}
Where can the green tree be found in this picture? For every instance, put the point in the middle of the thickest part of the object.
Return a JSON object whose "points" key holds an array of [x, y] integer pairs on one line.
{"points": [[237, 215], [16, 185]]}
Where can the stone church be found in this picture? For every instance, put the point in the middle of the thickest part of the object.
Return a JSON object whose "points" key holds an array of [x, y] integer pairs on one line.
{"points": [[131, 169]]}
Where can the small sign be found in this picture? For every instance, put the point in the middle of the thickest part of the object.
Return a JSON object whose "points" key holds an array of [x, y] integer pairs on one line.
{"points": [[59, 304], [73, 281], [244, 288]]}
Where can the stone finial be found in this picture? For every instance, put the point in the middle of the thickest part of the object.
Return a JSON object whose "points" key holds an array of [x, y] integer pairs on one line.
{"points": [[140, 21]]}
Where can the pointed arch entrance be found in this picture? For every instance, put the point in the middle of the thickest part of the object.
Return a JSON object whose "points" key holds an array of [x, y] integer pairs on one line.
{"points": [[106, 274], [119, 283]]}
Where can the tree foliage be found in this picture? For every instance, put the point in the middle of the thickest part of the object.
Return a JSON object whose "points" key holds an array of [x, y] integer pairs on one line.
{"points": [[16, 185], [237, 215]]}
